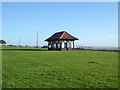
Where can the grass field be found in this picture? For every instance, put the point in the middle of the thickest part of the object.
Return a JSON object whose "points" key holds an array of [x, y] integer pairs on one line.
{"points": [[38, 68]]}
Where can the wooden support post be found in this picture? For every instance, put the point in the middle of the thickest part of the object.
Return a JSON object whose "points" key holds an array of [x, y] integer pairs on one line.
{"points": [[73, 45], [52, 46], [48, 45], [60, 46], [56, 46]]}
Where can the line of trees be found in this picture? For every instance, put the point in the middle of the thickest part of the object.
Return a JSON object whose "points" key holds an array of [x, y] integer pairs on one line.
{"points": [[3, 42]]}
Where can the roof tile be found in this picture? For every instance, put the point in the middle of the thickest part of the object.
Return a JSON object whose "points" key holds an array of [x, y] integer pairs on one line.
{"points": [[61, 36]]}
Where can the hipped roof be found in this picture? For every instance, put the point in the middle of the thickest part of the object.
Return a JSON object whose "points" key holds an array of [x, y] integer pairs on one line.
{"points": [[61, 36]]}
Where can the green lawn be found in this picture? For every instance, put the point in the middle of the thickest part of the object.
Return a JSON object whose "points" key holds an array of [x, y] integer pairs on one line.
{"points": [[38, 68]]}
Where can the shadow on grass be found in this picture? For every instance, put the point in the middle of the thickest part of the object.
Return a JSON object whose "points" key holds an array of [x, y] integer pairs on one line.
{"points": [[93, 62], [23, 50]]}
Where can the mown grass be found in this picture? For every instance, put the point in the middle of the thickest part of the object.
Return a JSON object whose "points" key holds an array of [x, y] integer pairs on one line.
{"points": [[38, 68]]}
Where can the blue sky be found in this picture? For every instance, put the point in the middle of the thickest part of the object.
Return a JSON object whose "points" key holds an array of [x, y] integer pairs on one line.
{"points": [[94, 23]]}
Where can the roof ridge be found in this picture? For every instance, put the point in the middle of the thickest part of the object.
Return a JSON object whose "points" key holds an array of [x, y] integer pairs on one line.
{"points": [[70, 34], [62, 34]]}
